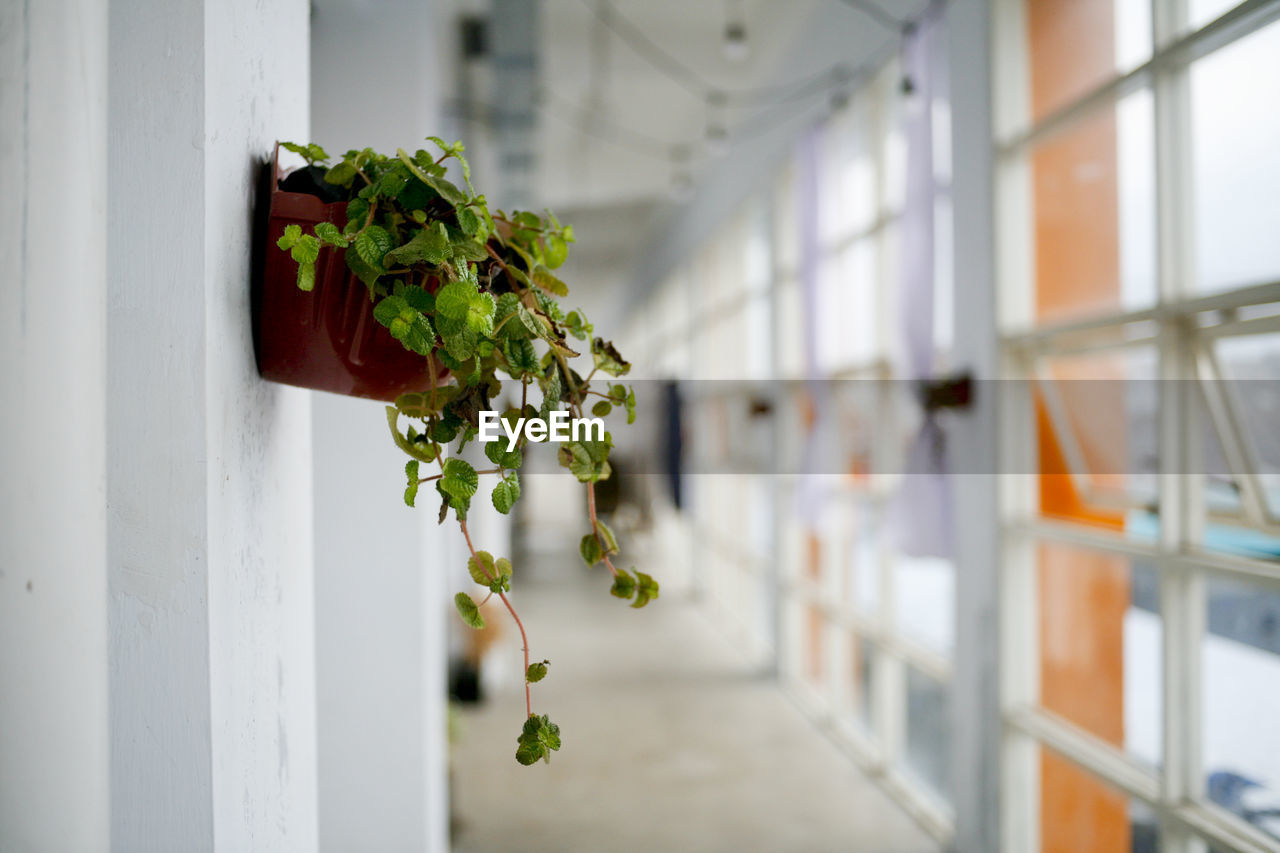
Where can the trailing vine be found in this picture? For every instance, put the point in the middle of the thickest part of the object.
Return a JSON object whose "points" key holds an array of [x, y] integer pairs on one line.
{"points": [[474, 293]]}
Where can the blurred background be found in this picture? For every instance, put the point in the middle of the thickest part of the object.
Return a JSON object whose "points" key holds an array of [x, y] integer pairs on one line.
{"points": [[955, 331]]}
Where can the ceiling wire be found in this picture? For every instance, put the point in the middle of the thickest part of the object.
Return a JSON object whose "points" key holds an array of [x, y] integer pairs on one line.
{"points": [[684, 76], [827, 81], [877, 14]]}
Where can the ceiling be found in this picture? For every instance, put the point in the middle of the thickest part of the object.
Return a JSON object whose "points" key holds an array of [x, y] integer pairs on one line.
{"points": [[613, 130]]}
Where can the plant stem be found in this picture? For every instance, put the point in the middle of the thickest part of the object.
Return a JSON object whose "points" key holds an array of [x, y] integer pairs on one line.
{"points": [[438, 476], [595, 526], [524, 638]]}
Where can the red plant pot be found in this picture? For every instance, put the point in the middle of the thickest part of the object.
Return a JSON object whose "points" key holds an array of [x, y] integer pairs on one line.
{"points": [[326, 339]]}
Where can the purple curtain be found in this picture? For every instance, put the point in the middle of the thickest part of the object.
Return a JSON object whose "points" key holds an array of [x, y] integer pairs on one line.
{"points": [[921, 513]]}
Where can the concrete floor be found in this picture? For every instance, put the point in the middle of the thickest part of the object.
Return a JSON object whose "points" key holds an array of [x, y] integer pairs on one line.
{"points": [[670, 744]]}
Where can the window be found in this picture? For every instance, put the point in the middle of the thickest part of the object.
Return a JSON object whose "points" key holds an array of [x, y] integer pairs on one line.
{"points": [[1139, 188]]}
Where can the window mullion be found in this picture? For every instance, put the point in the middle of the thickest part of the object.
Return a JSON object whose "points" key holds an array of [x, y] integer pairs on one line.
{"points": [[1181, 498]]}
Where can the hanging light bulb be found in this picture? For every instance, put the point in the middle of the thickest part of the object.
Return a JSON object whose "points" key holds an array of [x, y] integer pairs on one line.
{"points": [[907, 87], [735, 44]]}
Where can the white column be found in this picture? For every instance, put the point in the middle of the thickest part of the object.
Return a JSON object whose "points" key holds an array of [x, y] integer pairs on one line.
{"points": [[53, 533], [212, 658], [381, 567], [975, 736]]}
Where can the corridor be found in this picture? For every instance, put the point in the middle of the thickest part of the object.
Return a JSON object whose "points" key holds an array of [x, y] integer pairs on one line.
{"points": [[670, 742]]}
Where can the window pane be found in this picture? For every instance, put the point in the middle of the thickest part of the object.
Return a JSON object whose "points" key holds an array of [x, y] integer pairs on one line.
{"points": [[1252, 366], [1099, 421], [1240, 663], [1100, 638], [929, 731], [1201, 12], [866, 558], [1093, 195], [924, 588], [1076, 45], [1080, 812], [1234, 141]]}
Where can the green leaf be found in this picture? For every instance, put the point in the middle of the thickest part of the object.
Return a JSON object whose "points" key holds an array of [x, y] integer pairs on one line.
{"points": [[587, 460], [521, 358], [460, 305], [538, 739], [590, 549], [607, 539], [608, 359], [342, 174], [329, 233], [468, 221], [405, 322], [503, 582], [528, 753], [536, 672], [372, 244], [522, 325], [481, 568], [430, 245], [578, 326], [556, 251], [646, 589], [624, 586], [411, 490], [313, 153], [289, 237], [306, 277], [506, 492], [415, 451], [543, 278], [306, 249], [498, 454], [458, 484], [631, 406], [551, 391], [468, 610], [602, 408], [365, 272]]}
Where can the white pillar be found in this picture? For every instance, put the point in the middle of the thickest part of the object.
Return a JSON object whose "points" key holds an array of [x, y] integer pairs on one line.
{"points": [[53, 532], [976, 726], [212, 660], [381, 570]]}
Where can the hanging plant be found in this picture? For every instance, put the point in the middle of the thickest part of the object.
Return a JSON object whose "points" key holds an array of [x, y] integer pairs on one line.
{"points": [[474, 294]]}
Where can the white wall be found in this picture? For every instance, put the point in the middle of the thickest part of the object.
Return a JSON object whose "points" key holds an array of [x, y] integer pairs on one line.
{"points": [[382, 597], [53, 569], [212, 665]]}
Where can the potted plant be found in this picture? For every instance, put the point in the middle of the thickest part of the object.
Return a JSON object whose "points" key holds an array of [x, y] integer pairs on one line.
{"points": [[467, 296]]}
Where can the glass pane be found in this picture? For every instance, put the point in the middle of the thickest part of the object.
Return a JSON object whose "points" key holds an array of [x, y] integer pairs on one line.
{"points": [[866, 559], [790, 329], [1080, 812], [929, 731], [1100, 640], [1093, 196], [1201, 12], [1076, 45], [848, 321], [1100, 414], [1252, 364], [1234, 141], [1240, 666], [924, 589]]}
